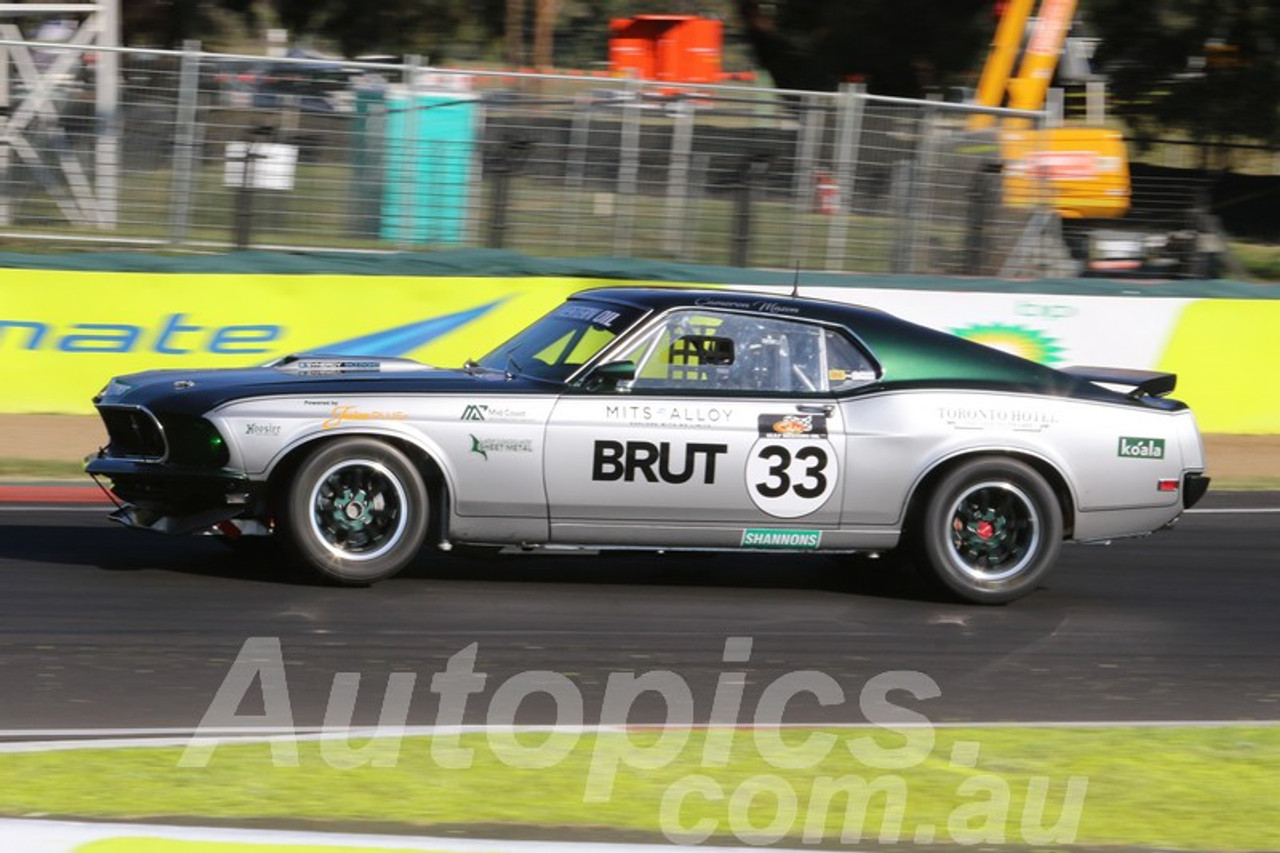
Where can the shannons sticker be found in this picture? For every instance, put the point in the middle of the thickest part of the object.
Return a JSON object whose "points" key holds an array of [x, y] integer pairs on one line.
{"points": [[1141, 448], [790, 539]]}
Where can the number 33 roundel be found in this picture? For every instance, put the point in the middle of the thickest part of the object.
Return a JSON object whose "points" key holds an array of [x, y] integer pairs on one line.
{"points": [[791, 471]]}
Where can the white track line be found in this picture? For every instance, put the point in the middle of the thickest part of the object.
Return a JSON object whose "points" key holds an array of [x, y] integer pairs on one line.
{"points": [[21, 741], [1237, 511]]}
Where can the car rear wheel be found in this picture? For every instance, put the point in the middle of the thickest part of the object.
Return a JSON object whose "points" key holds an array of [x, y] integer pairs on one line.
{"points": [[356, 511], [989, 531]]}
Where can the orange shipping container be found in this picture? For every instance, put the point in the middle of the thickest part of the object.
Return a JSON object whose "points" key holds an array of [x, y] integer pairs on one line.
{"points": [[670, 48]]}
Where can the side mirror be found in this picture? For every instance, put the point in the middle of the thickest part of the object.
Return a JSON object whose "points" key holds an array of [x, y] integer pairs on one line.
{"points": [[609, 374]]}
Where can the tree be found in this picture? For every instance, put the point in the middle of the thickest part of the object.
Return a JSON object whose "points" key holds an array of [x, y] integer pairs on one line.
{"points": [[436, 29], [1210, 68], [897, 47], [513, 31], [168, 23]]}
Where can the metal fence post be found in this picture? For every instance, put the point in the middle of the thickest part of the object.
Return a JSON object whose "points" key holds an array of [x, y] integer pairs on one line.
{"points": [[404, 216], [812, 121], [1095, 102], [475, 207], [6, 149], [184, 143], [506, 161], [925, 197], [752, 172], [107, 148], [983, 201], [678, 179], [243, 226], [850, 107], [575, 171], [1056, 106], [575, 166], [900, 210], [628, 170]]}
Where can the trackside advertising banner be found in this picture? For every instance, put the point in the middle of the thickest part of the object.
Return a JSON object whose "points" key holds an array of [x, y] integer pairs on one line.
{"points": [[63, 334]]}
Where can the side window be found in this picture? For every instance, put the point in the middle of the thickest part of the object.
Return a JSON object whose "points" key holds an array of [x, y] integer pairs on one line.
{"points": [[685, 352], [780, 356], [711, 351], [847, 366]]}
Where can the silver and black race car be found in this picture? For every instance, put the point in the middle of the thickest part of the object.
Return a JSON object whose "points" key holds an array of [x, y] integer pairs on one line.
{"points": [[664, 418]]}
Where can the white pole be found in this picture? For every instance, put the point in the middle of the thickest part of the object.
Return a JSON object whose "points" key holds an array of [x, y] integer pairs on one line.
{"points": [[107, 154], [6, 215]]}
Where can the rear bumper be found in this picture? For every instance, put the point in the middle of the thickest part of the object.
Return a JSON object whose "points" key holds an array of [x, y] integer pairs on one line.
{"points": [[1193, 488]]}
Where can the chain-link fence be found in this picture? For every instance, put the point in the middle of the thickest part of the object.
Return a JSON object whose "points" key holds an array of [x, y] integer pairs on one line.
{"points": [[209, 151]]}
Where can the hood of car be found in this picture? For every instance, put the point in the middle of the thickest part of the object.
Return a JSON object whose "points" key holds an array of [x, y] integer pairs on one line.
{"points": [[194, 392]]}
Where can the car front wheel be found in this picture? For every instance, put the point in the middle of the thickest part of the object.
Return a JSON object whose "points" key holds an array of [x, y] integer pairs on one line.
{"points": [[356, 510], [989, 532]]}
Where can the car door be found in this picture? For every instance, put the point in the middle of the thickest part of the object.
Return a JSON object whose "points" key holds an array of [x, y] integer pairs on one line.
{"points": [[728, 430]]}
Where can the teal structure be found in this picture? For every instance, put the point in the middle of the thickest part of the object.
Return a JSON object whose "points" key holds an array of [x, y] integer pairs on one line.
{"points": [[430, 151]]}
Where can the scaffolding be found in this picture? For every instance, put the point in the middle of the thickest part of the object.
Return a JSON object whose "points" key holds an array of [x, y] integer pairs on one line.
{"points": [[32, 84]]}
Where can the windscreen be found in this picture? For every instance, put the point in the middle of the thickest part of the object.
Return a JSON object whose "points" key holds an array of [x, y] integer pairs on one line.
{"points": [[562, 341]]}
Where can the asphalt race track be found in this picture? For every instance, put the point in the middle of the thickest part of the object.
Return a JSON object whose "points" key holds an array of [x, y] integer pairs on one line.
{"points": [[102, 627]]}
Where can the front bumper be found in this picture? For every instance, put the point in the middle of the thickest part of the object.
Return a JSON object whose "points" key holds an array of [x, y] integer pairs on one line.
{"points": [[175, 498]]}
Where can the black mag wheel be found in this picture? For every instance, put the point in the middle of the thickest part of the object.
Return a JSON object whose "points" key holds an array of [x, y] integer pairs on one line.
{"points": [[356, 510], [990, 531]]}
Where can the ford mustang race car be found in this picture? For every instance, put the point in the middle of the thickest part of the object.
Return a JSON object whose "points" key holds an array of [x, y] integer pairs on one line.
{"points": [[664, 418]]}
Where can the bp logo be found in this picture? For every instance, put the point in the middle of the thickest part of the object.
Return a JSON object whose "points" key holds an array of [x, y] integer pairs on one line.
{"points": [[1140, 448], [1021, 341]]}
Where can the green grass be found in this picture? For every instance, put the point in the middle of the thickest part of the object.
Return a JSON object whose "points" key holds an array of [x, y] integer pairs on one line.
{"points": [[1262, 263], [1183, 788], [41, 469], [1245, 484]]}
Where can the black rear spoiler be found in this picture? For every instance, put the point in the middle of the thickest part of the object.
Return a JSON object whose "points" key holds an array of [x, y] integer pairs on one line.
{"points": [[1145, 383]]}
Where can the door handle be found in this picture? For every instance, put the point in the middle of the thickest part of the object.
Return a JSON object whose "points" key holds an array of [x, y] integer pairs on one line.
{"points": [[814, 409]]}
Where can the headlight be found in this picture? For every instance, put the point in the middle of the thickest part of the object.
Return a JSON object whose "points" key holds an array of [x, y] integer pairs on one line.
{"points": [[194, 441]]}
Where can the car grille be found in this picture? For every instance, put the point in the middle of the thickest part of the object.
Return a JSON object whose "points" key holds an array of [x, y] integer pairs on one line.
{"points": [[134, 432]]}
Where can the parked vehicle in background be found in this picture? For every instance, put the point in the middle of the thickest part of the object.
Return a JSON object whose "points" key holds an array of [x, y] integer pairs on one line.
{"points": [[311, 86]]}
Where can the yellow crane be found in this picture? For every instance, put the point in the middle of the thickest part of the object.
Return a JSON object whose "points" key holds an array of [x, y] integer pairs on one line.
{"points": [[1084, 171]]}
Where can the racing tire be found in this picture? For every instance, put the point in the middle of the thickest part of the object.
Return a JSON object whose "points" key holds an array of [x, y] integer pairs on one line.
{"points": [[989, 531], [355, 511]]}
